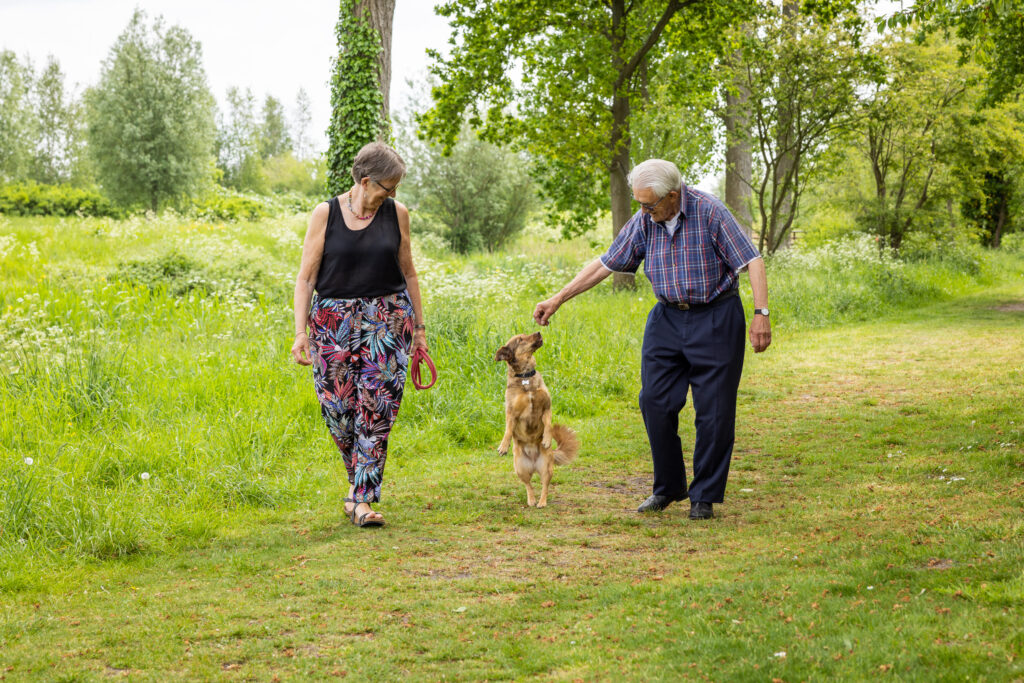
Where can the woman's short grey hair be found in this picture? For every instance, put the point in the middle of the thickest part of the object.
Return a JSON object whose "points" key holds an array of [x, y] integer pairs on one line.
{"points": [[377, 161], [655, 174]]}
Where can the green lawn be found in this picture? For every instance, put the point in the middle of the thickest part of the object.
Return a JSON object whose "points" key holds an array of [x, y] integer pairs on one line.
{"points": [[873, 524]]}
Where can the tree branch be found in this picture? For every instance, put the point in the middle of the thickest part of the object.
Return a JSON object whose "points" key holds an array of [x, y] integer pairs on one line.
{"points": [[652, 39]]}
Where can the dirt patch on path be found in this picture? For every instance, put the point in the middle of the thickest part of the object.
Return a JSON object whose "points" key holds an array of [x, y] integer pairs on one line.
{"points": [[1011, 307]]}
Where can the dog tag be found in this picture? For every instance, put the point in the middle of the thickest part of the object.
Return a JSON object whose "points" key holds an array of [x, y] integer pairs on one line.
{"points": [[526, 382]]}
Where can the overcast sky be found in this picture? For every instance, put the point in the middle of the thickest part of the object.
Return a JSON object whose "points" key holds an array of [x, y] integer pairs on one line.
{"points": [[271, 46]]}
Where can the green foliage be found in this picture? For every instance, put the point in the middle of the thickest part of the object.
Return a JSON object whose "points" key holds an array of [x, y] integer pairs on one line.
{"points": [[563, 80], [176, 272], [59, 153], [16, 125], [802, 75], [222, 204], [285, 173], [1013, 243], [356, 99], [479, 193], [238, 143], [151, 125], [34, 199], [913, 133], [274, 139]]}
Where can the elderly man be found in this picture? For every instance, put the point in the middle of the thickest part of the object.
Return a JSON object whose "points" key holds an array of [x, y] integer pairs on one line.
{"points": [[693, 251]]}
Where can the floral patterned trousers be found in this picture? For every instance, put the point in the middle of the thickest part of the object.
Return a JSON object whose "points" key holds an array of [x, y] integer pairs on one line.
{"points": [[360, 352]]}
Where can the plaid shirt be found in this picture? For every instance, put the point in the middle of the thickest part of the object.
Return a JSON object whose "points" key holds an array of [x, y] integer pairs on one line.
{"points": [[697, 263]]}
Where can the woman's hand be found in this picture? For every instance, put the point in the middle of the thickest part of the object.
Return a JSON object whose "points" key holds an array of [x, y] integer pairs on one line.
{"points": [[300, 349], [419, 340]]}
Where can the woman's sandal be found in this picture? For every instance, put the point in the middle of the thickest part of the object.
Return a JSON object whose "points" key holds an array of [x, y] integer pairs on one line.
{"points": [[362, 518]]}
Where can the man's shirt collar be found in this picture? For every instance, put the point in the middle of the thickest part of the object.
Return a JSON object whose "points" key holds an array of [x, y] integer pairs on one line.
{"points": [[673, 223]]}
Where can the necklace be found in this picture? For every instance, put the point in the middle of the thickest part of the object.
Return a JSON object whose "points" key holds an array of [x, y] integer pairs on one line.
{"points": [[348, 195]]}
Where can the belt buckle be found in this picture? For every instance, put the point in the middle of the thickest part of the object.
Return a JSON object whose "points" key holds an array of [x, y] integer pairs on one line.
{"points": [[683, 306]]}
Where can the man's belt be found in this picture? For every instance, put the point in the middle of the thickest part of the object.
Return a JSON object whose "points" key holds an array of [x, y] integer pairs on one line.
{"points": [[684, 306]]}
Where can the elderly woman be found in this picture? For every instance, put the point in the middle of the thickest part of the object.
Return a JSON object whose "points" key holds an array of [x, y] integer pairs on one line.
{"points": [[358, 293]]}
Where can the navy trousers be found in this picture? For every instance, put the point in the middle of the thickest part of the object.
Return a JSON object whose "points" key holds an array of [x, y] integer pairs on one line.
{"points": [[700, 350]]}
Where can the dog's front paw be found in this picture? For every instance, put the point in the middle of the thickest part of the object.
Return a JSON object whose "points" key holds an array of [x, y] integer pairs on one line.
{"points": [[503, 448]]}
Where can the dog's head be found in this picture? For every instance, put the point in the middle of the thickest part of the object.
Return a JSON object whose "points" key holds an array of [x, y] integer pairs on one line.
{"points": [[518, 351]]}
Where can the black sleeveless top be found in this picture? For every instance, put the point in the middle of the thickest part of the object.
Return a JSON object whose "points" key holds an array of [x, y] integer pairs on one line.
{"points": [[361, 263]]}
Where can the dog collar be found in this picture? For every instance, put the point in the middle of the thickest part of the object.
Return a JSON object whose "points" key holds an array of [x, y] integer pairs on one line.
{"points": [[531, 373]]}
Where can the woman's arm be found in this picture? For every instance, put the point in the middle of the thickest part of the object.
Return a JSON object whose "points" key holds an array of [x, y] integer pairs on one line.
{"points": [[412, 283], [305, 281]]}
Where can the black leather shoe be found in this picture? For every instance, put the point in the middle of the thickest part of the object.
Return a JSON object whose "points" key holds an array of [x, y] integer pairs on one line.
{"points": [[700, 510], [656, 503]]}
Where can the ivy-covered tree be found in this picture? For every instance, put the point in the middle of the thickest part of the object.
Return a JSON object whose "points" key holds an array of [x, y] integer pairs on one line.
{"points": [[151, 116], [563, 80], [359, 86]]}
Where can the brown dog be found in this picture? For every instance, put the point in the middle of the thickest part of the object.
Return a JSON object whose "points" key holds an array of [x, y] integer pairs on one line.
{"points": [[528, 418]]}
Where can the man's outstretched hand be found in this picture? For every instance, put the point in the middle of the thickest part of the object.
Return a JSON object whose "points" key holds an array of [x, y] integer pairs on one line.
{"points": [[544, 311]]}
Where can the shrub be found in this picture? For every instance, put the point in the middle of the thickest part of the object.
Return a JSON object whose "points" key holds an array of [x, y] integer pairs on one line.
{"points": [[34, 199], [286, 174], [480, 193], [1013, 243], [226, 205]]}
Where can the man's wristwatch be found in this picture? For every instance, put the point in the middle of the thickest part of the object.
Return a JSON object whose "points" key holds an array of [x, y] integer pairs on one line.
{"points": [[761, 311]]}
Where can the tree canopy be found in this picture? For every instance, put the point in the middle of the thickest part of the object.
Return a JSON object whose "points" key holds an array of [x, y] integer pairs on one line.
{"points": [[564, 80], [151, 116]]}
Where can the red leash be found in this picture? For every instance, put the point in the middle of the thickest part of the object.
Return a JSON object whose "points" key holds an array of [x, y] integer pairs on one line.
{"points": [[416, 371]]}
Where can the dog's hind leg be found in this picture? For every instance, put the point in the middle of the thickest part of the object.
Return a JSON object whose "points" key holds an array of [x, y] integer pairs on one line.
{"points": [[546, 465]]}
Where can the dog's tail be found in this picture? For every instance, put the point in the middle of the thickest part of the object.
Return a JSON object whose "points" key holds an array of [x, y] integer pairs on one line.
{"points": [[568, 444]]}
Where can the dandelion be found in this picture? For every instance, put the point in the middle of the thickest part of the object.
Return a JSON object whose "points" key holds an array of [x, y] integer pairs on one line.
{"points": [[780, 655], [871, 588], [144, 476], [29, 461]]}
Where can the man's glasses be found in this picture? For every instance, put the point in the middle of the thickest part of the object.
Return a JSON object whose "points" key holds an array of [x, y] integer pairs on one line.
{"points": [[647, 207]]}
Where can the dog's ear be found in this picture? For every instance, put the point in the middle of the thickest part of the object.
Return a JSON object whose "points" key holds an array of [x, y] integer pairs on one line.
{"points": [[504, 353]]}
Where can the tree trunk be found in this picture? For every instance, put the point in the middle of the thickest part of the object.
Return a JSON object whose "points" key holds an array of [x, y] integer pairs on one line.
{"points": [[620, 193], [619, 143], [738, 164], [785, 138], [381, 15], [997, 234]]}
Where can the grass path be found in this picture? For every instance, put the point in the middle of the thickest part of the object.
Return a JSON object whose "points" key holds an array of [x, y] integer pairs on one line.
{"points": [[873, 527]]}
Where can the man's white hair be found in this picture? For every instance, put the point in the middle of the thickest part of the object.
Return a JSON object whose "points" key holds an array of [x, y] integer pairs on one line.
{"points": [[655, 174]]}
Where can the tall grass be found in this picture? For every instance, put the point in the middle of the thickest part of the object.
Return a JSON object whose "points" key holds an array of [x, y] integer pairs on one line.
{"points": [[147, 390]]}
